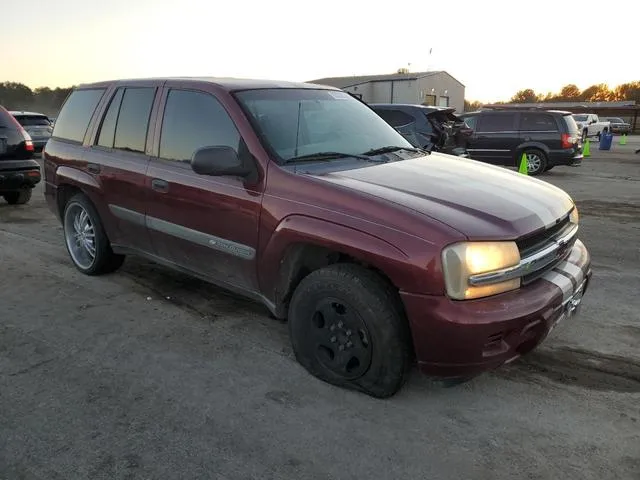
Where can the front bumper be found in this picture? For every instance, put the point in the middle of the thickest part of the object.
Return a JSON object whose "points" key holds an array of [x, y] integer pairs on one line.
{"points": [[18, 174], [462, 338]]}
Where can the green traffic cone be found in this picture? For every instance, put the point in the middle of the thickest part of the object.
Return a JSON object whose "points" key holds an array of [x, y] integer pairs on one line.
{"points": [[586, 150], [623, 139], [522, 168]]}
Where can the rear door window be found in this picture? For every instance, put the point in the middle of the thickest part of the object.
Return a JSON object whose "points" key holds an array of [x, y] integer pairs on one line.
{"points": [[74, 118], [108, 128], [537, 122], [133, 119], [193, 120], [497, 122], [395, 118]]}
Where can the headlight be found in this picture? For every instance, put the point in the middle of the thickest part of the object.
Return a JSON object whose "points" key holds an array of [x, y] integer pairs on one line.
{"points": [[463, 260], [573, 216]]}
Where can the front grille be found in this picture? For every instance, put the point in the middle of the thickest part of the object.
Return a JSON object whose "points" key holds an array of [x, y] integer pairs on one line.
{"points": [[537, 242]]}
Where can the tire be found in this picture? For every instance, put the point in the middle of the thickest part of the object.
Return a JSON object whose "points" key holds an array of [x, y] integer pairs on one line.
{"points": [[344, 312], [548, 167], [18, 198], [536, 161], [598, 136], [91, 254], [585, 135]]}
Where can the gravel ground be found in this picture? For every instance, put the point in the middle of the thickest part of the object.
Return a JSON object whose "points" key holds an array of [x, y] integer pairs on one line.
{"points": [[150, 374]]}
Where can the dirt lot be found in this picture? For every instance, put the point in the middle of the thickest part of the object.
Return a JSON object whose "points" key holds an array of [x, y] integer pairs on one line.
{"points": [[149, 374]]}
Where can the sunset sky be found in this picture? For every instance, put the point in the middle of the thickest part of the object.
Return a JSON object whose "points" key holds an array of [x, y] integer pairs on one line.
{"points": [[494, 48]]}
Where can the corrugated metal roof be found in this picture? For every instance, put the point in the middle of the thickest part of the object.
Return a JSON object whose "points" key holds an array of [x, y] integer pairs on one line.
{"points": [[343, 82]]}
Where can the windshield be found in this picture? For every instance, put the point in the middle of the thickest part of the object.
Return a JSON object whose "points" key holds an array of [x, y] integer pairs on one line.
{"points": [[580, 118], [299, 122]]}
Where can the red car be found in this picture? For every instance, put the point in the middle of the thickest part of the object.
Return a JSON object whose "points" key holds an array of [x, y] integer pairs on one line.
{"points": [[301, 197]]}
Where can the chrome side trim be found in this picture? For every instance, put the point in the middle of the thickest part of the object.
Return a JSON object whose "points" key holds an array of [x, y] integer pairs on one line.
{"points": [[528, 265]]}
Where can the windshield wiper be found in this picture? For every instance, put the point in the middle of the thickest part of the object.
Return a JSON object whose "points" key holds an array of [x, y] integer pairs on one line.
{"points": [[392, 148], [325, 156]]}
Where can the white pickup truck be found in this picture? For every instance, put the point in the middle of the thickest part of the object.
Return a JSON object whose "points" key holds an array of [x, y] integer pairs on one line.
{"points": [[590, 125]]}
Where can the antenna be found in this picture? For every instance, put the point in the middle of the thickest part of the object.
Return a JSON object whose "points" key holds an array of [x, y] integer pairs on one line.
{"points": [[295, 153]]}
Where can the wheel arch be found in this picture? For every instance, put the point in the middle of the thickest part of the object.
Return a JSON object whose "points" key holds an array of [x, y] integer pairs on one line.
{"points": [[302, 245]]}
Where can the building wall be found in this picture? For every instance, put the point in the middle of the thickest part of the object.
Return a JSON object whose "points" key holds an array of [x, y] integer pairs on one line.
{"points": [[412, 91], [441, 85]]}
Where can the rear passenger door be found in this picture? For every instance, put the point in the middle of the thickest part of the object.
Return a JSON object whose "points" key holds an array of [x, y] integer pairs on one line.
{"points": [[208, 224], [495, 138], [119, 158], [540, 128]]}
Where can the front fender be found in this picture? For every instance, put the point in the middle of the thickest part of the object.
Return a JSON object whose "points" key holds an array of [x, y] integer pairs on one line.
{"points": [[408, 273]]}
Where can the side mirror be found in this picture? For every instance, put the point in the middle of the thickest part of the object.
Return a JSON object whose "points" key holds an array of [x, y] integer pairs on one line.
{"points": [[218, 161]]}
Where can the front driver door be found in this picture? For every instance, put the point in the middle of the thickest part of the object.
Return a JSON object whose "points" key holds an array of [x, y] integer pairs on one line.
{"points": [[204, 223]]}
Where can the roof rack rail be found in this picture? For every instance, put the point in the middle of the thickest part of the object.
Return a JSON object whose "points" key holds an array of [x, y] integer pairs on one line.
{"points": [[511, 107]]}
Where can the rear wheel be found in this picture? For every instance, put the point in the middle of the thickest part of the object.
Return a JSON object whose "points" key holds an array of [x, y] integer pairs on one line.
{"points": [[86, 240], [347, 328], [18, 198], [584, 135], [536, 161]]}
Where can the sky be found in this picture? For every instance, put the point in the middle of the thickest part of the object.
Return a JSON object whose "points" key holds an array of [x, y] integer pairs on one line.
{"points": [[494, 48]]}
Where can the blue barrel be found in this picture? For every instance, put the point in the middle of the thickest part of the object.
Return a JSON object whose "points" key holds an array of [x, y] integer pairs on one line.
{"points": [[606, 139]]}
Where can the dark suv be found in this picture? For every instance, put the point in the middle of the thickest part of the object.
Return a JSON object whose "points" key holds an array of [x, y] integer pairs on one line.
{"points": [[432, 128], [301, 197], [547, 137], [19, 172]]}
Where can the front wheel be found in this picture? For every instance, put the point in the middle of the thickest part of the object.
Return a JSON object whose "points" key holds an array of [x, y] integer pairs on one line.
{"points": [[86, 240], [18, 198], [536, 161], [348, 329]]}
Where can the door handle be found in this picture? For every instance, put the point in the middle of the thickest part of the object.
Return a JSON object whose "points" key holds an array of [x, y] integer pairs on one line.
{"points": [[93, 168], [160, 185]]}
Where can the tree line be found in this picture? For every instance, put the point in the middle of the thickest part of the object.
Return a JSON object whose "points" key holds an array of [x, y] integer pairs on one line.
{"points": [[16, 96], [571, 93]]}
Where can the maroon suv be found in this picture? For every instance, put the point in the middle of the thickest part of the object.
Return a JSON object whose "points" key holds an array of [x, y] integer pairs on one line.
{"points": [[301, 197]]}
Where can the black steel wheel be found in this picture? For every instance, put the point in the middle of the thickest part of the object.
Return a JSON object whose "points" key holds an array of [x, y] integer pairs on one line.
{"points": [[347, 328]]}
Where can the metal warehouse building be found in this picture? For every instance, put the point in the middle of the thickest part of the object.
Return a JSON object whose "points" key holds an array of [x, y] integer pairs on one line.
{"points": [[426, 88]]}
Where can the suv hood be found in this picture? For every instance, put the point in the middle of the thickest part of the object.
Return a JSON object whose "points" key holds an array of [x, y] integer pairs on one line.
{"points": [[480, 201]]}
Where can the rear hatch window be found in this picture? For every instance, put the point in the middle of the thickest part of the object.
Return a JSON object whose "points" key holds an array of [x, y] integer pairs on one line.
{"points": [[572, 126]]}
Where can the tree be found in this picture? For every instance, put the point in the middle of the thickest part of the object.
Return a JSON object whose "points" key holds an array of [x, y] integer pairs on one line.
{"points": [[570, 93], [525, 96], [628, 91], [597, 93], [471, 106]]}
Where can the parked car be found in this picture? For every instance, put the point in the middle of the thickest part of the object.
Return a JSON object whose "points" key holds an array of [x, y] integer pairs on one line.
{"points": [[590, 125], [37, 125], [548, 138], [19, 172], [432, 128], [301, 197], [618, 125]]}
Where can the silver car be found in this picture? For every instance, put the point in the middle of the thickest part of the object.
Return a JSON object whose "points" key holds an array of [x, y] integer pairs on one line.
{"points": [[37, 125]]}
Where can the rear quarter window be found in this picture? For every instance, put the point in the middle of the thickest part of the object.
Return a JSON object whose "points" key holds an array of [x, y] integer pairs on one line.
{"points": [[395, 118], [537, 122], [74, 118]]}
